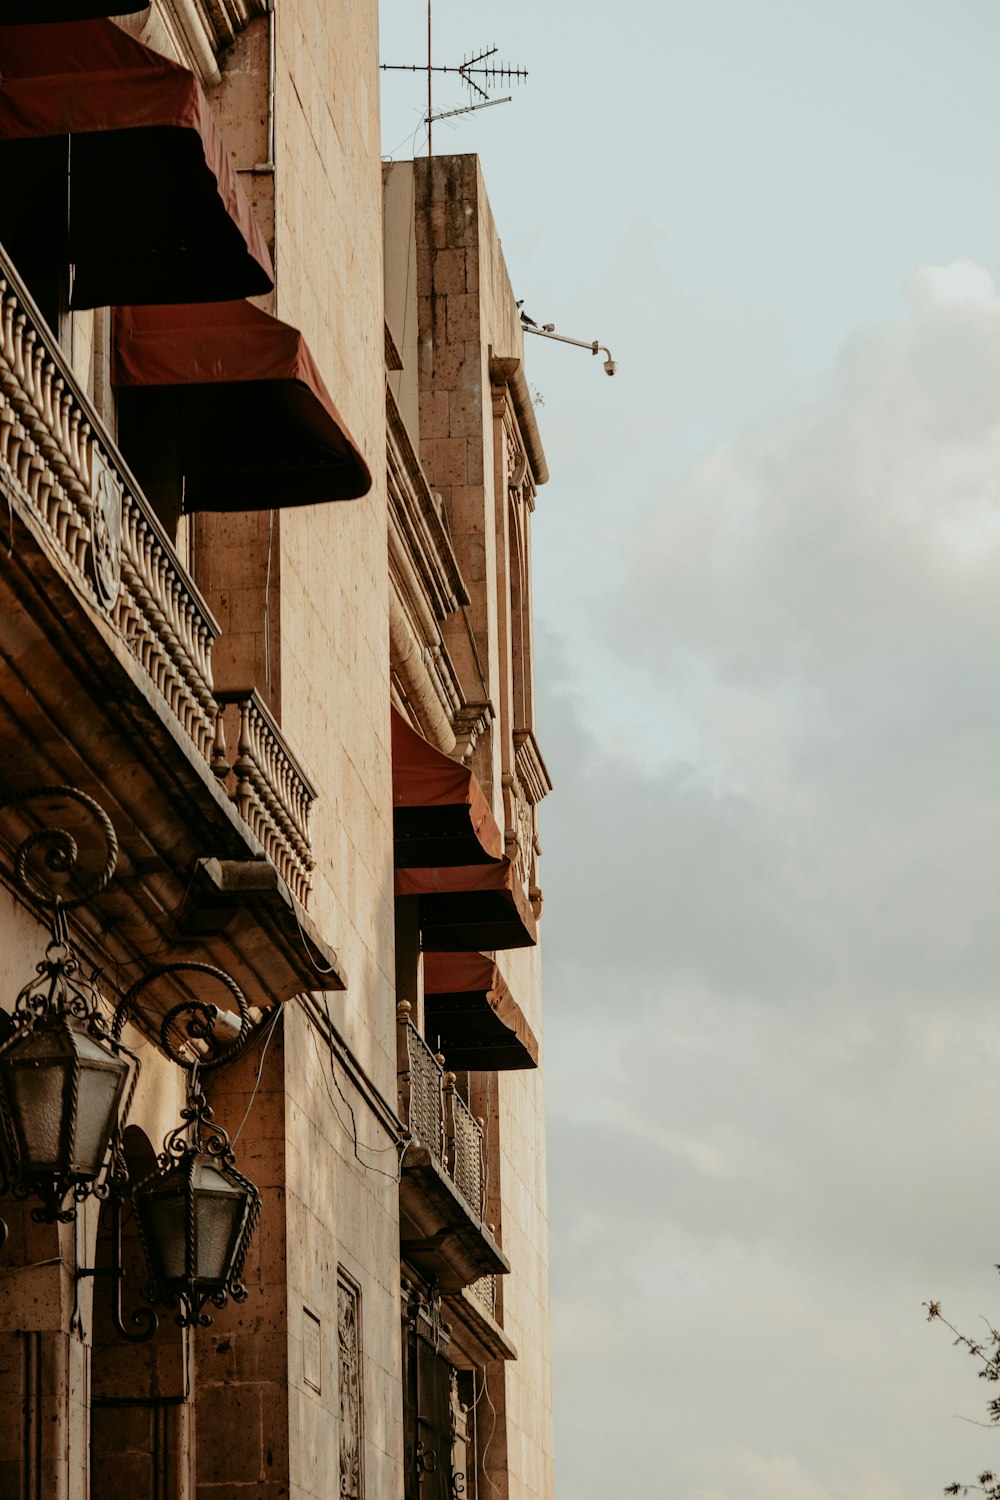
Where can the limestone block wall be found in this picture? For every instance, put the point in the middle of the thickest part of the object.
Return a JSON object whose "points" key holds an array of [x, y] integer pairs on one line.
{"points": [[302, 598], [467, 314]]}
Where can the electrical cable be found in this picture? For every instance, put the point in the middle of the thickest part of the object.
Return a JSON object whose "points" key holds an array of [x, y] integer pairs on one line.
{"points": [[279, 1012], [353, 1130]]}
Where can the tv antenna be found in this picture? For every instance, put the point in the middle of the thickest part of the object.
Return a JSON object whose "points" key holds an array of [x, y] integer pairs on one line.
{"points": [[477, 72]]}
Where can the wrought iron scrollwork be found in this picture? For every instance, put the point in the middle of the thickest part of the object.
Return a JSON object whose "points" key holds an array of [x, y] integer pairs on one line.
{"points": [[56, 1021], [43, 864], [199, 1016], [195, 1140], [61, 853]]}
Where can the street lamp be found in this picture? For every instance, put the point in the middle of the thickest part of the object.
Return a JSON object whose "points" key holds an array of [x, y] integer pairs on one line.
{"points": [[196, 1212], [63, 1076], [66, 1082]]}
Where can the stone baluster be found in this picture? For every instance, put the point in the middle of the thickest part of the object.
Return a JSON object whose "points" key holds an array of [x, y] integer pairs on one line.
{"points": [[18, 365], [220, 756], [37, 392], [28, 339], [83, 467], [243, 765], [48, 372]]}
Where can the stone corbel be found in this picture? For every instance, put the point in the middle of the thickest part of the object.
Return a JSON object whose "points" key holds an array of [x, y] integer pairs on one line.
{"points": [[470, 722]]}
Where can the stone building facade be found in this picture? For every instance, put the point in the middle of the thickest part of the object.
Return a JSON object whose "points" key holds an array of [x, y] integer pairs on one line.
{"points": [[268, 465]]}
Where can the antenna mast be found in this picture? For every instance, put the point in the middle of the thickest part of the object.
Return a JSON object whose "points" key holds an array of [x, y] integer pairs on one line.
{"points": [[476, 67]]}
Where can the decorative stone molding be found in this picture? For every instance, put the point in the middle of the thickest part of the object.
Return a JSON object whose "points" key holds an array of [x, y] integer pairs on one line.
{"points": [[351, 1386], [508, 382], [426, 587], [469, 722], [194, 32], [523, 789], [531, 769]]}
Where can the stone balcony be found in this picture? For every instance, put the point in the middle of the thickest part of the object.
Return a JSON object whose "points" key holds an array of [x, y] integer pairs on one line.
{"points": [[441, 1190], [107, 650]]}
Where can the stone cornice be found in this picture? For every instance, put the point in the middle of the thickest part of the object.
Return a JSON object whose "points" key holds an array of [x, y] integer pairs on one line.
{"points": [[508, 373], [531, 769]]}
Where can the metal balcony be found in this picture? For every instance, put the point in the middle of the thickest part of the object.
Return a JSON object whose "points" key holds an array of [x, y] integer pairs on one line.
{"points": [[441, 1190]]}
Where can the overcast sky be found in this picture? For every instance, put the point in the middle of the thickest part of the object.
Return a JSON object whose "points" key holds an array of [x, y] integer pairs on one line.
{"points": [[767, 592]]}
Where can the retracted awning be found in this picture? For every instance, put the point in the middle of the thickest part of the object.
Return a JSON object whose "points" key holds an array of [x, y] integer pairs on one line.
{"points": [[41, 12], [440, 813], [472, 1017], [154, 212], [233, 370], [448, 852], [470, 908]]}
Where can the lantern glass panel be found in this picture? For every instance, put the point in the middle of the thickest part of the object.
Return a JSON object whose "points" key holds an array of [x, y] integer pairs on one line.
{"points": [[166, 1219], [219, 1211], [101, 1085], [37, 1077]]}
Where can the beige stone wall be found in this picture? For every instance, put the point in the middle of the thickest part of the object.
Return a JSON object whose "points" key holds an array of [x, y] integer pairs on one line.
{"points": [[334, 662], [302, 599], [467, 314]]}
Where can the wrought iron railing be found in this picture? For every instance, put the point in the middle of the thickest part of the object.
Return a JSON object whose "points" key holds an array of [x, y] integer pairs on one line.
{"points": [[463, 1145], [270, 788], [59, 462], [419, 1074], [484, 1291], [435, 1114]]}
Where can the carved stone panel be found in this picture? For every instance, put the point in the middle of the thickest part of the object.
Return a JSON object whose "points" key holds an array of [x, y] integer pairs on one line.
{"points": [[106, 533], [351, 1387]]}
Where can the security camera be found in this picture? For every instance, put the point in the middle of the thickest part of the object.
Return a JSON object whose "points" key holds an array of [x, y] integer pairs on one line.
{"points": [[609, 367]]}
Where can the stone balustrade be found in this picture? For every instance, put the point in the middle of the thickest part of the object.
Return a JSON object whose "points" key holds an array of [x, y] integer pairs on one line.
{"points": [[65, 474], [58, 459], [272, 792]]}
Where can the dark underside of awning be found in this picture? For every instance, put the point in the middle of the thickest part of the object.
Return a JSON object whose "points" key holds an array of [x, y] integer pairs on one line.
{"points": [[470, 908], [41, 12], [472, 1017], [113, 165], [439, 810], [215, 374], [448, 852]]}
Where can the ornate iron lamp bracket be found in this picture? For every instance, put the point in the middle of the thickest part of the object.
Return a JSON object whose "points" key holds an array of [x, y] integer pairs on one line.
{"points": [[197, 1156], [67, 1080], [59, 1046]]}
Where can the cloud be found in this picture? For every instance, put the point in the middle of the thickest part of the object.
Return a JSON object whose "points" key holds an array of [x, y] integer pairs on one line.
{"points": [[961, 281], [771, 949]]}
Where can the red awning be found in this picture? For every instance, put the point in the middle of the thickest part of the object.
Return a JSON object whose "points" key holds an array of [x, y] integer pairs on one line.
{"points": [[470, 908], [449, 852], [472, 1017], [41, 12], [155, 209], [230, 370], [440, 812]]}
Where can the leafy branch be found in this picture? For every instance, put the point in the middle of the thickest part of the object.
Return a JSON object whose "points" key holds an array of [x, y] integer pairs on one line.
{"points": [[986, 1351]]}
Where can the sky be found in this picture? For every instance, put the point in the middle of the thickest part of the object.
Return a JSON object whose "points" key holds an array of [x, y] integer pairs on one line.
{"points": [[767, 599]]}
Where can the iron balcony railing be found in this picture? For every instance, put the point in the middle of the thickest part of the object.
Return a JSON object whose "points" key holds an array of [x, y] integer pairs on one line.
{"points": [[435, 1113], [59, 464], [484, 1291]]}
